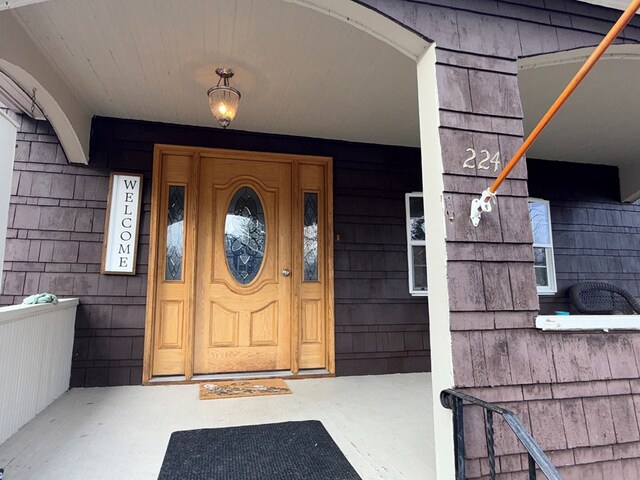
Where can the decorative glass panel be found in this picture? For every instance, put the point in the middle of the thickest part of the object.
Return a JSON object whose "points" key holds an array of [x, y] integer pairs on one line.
{"points": [[540, 222], [416, 212], [245, 235], [419, 257], [175, 233], [311, 236]]}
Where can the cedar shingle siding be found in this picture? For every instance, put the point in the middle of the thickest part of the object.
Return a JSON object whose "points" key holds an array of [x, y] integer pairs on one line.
{"points": [[54, 244]]}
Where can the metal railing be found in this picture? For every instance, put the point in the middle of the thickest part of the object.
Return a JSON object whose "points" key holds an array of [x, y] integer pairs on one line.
{"points": [[453, 400]]}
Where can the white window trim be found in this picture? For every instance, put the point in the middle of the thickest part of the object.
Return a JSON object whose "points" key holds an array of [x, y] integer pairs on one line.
{"points": [[552, 288], [412, 243]]}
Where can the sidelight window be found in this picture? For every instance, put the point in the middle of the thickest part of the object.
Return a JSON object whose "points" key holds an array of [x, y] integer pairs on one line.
{"points": [[175, 233], [310, 246]]}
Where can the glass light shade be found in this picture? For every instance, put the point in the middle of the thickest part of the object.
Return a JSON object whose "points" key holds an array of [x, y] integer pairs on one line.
{"points": [[223, 101]]}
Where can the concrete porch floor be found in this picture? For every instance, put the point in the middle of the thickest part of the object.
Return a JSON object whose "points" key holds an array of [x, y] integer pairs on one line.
{"points": [[383, 424]]}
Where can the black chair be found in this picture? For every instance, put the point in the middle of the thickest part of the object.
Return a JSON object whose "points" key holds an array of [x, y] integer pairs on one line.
{"points": [[601, 298]]}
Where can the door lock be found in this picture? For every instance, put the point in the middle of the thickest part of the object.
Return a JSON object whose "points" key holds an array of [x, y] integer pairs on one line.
{"points": [[286, 272]]}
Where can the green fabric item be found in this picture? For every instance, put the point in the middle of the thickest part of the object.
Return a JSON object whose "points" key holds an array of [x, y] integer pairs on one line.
{"points": [[40, 298]]}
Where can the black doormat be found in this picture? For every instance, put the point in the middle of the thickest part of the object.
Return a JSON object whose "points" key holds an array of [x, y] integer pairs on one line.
{"points": [[276, 451]]}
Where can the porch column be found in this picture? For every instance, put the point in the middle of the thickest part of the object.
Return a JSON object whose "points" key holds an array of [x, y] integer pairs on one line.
{"points": [[434, 211], [482, 288]]}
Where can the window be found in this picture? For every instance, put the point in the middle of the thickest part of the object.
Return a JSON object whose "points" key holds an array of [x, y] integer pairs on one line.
{"points": [[416, 244], [542, 246]]}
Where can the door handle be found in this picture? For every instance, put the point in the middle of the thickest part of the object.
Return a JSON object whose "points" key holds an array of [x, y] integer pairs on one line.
{"points": [[286, 272]]}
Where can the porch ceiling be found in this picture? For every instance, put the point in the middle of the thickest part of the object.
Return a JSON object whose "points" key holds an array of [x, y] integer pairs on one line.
{"points": [[599, 123], [300, 72]]}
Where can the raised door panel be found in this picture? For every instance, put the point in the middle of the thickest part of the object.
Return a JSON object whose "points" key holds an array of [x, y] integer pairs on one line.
{"points": [[223, 326], [171, 324], [311, 322], [264, 326]]}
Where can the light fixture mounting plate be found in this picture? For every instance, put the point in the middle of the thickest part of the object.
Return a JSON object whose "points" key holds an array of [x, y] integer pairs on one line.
{"points": [[224, 72]]}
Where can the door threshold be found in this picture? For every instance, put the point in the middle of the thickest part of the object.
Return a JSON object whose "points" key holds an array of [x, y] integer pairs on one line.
{"points": [[270, 374], [167, 379], [285, 374]]}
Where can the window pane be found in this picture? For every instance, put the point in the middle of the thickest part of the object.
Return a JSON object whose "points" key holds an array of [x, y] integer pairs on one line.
{"points": [[416, 207], [539, 216], [417, 229], [540, 256], [416, 214], [542, 277], [245, 235], [310, 236], [175, 233], [540, 265], [419, 259]]}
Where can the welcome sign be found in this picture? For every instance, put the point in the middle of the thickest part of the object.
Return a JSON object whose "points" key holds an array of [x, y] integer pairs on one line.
{"points": [[122, 224]]}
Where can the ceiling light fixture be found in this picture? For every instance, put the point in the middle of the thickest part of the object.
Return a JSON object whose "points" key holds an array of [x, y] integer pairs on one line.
{"points": [[223, 99]]}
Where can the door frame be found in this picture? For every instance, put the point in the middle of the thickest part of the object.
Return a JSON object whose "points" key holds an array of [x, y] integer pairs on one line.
{"points": [[190, 242]]}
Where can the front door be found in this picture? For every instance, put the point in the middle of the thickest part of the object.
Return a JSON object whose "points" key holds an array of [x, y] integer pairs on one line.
{"points": [[243, 282], [240, 264]]}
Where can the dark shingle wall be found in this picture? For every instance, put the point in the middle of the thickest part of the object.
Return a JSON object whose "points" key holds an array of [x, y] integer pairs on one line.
{"points": [[54, 244], [57, 220], [595, 236]]}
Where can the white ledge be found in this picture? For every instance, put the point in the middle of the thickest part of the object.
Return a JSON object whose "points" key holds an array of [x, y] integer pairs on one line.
{"points": [[588, 322], [17, 312]]}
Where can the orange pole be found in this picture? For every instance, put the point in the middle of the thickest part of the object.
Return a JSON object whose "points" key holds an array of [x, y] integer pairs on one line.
{"points": [[566, 93]]}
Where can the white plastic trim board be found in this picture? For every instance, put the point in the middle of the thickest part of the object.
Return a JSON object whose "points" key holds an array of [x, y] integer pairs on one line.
{"points": [[35, 360], [587, 322]]}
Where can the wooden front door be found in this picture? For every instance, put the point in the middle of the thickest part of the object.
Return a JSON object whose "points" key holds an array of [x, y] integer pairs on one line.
{"points": [[243, 282], [240, 264]]}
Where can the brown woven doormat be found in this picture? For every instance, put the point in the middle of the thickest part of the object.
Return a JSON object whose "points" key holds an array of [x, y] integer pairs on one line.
{"points": [[244, 388]]}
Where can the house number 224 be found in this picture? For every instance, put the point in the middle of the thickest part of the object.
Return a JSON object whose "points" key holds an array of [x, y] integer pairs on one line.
{"points": [[485, 160]]}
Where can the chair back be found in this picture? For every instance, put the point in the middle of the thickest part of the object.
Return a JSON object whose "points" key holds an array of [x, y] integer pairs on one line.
{"points": [[602, 298]]}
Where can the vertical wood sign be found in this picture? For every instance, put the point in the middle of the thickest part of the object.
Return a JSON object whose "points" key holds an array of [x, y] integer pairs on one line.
{"points": [[121, 224]]}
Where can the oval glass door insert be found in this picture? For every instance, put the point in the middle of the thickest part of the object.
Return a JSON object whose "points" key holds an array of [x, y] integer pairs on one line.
{"points": [[245, 235]]}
